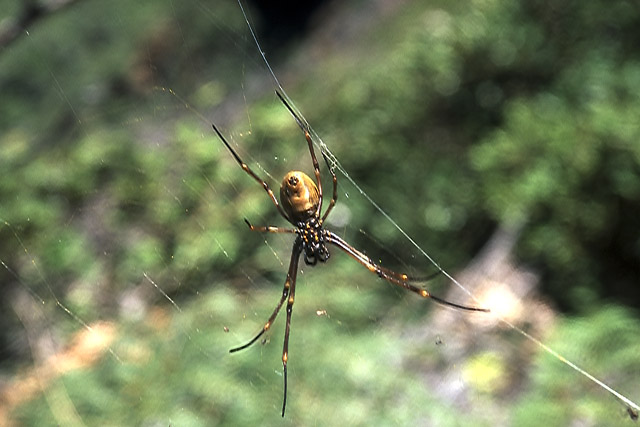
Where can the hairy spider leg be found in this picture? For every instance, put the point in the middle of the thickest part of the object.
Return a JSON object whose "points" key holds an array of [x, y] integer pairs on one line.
{"points": [[287, 291], [391, 276], [248, 170]]}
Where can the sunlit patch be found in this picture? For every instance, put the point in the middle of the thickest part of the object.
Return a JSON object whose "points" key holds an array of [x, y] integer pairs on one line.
{"points": [[87, 347], [158, 318], [486, 372], [502, 301]]}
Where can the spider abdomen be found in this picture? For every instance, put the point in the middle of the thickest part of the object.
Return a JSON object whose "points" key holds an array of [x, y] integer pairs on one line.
{"points": [[299, 196]]}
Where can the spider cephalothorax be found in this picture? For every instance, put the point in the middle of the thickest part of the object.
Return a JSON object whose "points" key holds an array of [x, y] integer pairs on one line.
{"points": [[301, 205], [313, 241]]}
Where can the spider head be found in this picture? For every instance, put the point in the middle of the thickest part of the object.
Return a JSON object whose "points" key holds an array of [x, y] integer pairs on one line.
{"points": [[299, 196]]}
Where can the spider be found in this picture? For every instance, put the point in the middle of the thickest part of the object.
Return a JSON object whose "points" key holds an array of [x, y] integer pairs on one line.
{"points": [[301, 205]]}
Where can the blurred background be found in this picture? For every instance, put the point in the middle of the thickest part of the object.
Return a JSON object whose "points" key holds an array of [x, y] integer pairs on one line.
{"points": [[500, 136]]}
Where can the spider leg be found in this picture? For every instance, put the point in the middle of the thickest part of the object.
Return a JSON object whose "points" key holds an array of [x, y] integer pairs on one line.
{"points": [[406, 278], [334, 198], [285, 347], [248, 170], [287, 291], [391, 276], [270, 228], [307, 135], [291, 275]]}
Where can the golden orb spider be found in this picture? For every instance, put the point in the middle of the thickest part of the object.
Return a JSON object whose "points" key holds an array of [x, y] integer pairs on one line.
{"points": [[301, 205]]}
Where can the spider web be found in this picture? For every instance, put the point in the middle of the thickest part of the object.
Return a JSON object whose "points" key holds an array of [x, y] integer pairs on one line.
{"points": [[171, 307], [492, 301]]}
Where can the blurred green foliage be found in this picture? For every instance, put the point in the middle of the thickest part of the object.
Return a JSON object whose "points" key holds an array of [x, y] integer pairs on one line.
{"points": [[582, 340], [455, 118]]}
